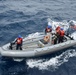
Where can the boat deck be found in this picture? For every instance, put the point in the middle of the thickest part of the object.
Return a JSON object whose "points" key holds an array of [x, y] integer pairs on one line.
{"points": [[30, 46]]}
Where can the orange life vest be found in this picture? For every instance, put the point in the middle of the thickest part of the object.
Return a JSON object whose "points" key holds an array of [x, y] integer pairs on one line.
{"points": [[58, 31], [19, 40], [62, 33]]}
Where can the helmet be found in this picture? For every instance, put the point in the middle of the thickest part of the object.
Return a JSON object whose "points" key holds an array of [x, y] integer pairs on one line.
{"points": [[49, 26], [61, 29], [19, 36]]}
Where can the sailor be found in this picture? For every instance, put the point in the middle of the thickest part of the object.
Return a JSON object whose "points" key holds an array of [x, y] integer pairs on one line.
{"points": [[57, 35], [62, 33], [19, 41], [47, 38], [48, 29]]}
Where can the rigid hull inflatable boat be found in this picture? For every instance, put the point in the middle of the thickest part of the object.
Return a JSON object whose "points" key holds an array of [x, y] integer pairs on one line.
{"points": [[33, 47]]}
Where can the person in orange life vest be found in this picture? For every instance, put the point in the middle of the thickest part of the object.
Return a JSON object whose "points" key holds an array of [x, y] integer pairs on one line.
{"points": [[19, 43], [48, 29], [58, 31], [62, 33], [57, 37]]}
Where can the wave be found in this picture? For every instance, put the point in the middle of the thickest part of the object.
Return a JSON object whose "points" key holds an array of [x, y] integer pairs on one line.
{"points": [[52, 63]]}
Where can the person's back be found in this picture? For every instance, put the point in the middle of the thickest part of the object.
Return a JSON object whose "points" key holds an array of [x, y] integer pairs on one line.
{"points": [[62, 33], [57, 35], [58, 30]]}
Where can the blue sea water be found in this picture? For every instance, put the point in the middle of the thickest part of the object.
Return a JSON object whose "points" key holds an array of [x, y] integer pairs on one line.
{"points": [[29, 16]]}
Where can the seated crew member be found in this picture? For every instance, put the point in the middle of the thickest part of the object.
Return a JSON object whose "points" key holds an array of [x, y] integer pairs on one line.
{"points": [[48, 32], [19, 41], [48, 29]]}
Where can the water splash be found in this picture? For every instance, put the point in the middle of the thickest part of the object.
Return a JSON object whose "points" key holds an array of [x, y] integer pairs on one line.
{"points": [[52, 63], [33, 35], [64, 24]]}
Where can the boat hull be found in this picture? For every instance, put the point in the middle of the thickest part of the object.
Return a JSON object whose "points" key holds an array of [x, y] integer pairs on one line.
{"points": [[38, 51]]}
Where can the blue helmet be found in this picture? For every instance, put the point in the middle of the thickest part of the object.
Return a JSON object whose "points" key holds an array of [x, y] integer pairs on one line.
{"points": [[61, 29], [19, 36], [49, 26]]}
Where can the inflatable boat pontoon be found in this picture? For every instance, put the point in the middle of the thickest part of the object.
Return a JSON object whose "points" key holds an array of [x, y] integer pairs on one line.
{"points": [[33, 47]]}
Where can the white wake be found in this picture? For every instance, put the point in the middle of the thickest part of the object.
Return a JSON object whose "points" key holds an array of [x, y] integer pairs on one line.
{"points": [[52, 63]]}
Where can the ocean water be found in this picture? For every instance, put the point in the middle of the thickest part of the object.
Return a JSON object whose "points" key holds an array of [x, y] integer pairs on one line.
{"points": [[26, 17]]}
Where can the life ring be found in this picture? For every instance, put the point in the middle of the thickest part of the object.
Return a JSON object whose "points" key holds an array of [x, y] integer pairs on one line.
{"points": [[47, 38]]}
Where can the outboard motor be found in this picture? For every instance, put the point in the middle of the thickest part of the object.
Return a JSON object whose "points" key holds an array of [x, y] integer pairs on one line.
{"points": [[71, 23]]}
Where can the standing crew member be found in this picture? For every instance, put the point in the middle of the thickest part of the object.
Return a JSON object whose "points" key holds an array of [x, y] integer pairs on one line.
{"points": [[19, 43], [62, 33], [57, 36]]}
